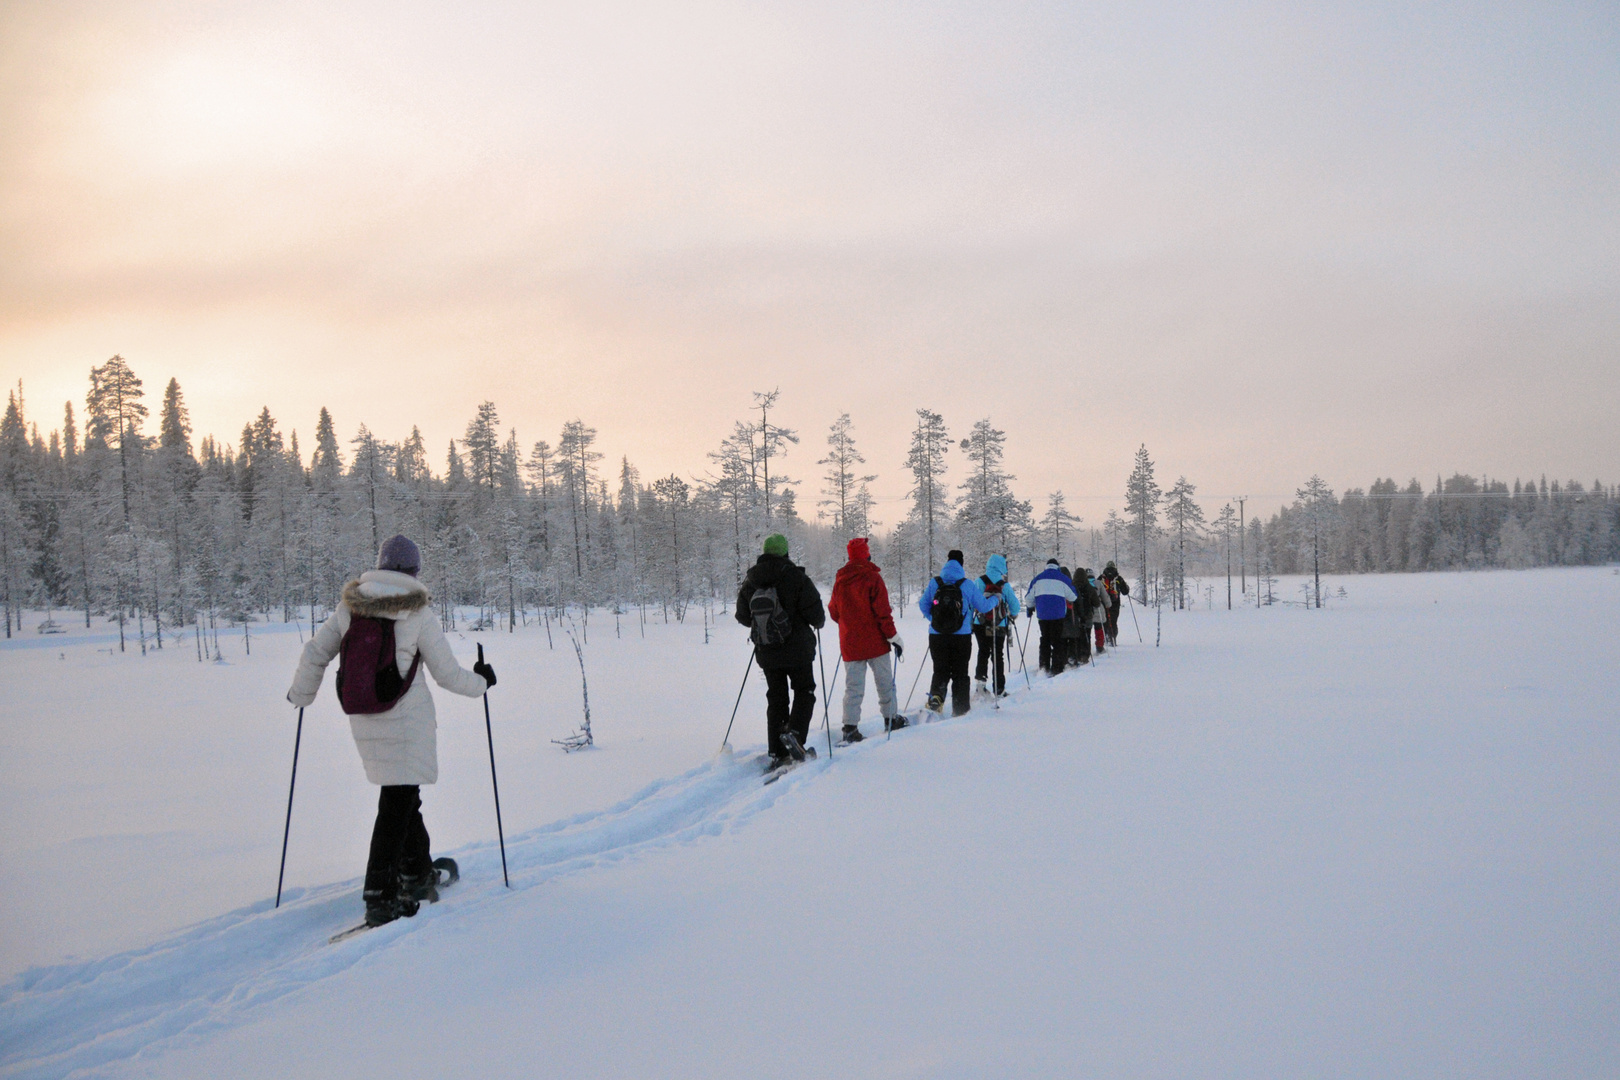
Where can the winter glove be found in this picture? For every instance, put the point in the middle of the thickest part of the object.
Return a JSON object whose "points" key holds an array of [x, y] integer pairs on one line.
{"points": [[486, 671], [898, 646]]}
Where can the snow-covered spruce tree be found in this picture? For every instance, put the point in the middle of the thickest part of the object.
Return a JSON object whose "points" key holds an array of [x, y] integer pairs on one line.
{"points": [[773, 441], [990, 519], [629, 560], [576, 467], [1316, 510], [1142, 497], [735, 491], [1055, 525], [858, 519], [926, 461], [673, 518], [843, 489], [1186, 522]]}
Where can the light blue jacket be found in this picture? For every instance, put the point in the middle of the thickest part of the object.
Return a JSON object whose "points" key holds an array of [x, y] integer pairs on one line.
{"points": [[973, 598], [995, 568]]}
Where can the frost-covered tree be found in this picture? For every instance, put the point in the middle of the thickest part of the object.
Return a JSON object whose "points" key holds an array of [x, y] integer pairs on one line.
{"points": [[1142, 509], [115, 413], [989, 517], [773, 441], [483, 443], [1056, 523], [926, 461], [1186, 522], [1317, 506], [576, 468], [843, 485]]}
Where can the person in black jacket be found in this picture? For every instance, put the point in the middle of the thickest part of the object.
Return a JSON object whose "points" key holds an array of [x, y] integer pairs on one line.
{"points": [[790, 661], [1118, 588]]}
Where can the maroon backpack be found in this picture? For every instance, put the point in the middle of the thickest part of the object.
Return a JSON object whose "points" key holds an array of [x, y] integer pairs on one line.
{"points": [[368, 679]]}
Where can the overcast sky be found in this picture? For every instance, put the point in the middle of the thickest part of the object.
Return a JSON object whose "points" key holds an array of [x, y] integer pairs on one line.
{"points": [[1266, 241]]}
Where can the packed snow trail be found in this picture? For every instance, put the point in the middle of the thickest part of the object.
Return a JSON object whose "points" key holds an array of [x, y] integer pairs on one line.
{"points": [[58, 1020]]}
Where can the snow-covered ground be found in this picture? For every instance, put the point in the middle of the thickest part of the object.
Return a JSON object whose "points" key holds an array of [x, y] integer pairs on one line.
{"points": [[1382, 839]]}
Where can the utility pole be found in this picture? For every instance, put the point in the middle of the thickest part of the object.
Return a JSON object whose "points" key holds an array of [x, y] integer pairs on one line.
{"points": [[1243, 567]]}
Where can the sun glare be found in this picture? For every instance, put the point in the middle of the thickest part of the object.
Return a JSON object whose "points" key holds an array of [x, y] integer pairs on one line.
{"points": [[204, 112]]}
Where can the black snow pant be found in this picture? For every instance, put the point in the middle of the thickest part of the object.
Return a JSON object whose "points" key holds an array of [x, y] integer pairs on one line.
{"points": [[1054, 650], [399, 840], [1082, 645], [779, 717], [950, 654], [992, 656]]}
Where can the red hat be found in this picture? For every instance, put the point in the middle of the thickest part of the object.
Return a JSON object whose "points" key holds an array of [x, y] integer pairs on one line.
{"points": [[858, 551]]}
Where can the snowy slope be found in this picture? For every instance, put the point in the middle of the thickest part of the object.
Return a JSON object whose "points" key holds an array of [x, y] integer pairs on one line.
{"points": [[1376, 840]]}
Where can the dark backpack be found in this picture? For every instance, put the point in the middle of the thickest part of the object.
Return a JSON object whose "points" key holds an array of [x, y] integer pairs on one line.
{"points": [[771, 623], [368, 679], [1088, 595], [949, 608]]}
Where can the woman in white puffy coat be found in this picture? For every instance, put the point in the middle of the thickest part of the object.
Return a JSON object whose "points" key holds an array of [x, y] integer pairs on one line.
{"points": [[399, 747]]}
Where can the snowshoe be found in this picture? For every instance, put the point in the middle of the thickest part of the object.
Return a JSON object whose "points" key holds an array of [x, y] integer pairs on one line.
{"points": [[851, 734], [781, 766], [382, 907], [425, 887]]}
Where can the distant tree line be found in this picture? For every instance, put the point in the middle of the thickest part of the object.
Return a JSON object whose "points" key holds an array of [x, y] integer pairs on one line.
{"points": [[102, 516], [1459, 523]]}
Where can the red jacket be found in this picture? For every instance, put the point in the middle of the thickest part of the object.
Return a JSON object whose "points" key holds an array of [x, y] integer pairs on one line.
{"points": [[860, 606]]}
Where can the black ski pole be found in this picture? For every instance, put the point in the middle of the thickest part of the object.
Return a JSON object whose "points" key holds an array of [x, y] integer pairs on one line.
{"points": [[826, 707], [1023, 662], [489, 732], [727, 739], [915, 681], [894, 699], [997, 641], [287, 829]]}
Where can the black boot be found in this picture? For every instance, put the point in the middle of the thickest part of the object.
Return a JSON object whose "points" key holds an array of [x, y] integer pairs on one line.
{"points": [[894, 723], [420, 888], [384, 906], [852, 733]]}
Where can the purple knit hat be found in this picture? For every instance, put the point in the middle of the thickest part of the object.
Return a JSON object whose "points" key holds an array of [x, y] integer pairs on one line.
{"points": [[398, 553]]}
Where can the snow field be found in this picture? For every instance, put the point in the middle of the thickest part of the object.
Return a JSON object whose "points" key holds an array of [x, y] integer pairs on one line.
{"points": [[1376, 840]]}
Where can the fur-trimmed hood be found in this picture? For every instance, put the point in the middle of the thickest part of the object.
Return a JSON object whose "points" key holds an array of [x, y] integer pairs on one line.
{"points": [[385, 594]]}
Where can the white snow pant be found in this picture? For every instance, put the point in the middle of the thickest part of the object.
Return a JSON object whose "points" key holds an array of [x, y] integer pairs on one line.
{"points": [[855, 686]]}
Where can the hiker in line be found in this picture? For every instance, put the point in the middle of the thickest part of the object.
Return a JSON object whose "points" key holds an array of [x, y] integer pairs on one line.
{"points": [[1077, 624], [947, 602], [780, 605], [1099, 611], [859, 604], [991, 630], [1118, 589], [1051, 593], [391, 714]]}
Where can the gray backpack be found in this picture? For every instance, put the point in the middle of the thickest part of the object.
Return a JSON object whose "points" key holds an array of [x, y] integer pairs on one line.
{"points": [[771, 623]]}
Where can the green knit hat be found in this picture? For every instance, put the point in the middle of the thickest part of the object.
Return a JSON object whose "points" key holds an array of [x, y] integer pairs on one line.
{"points": [[776, 544]]}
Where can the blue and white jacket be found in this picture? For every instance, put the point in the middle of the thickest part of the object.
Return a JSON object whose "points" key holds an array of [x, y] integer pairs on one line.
{"points": [[1051, 592]]}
